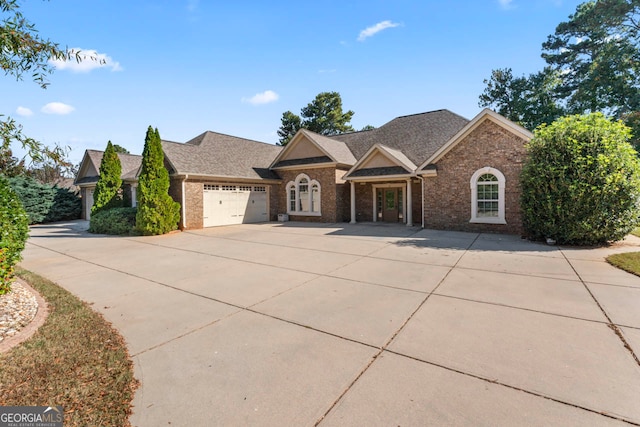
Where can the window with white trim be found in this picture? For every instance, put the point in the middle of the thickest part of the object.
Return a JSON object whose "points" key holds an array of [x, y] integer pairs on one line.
{"points": [[487, 196], [303, 196]]}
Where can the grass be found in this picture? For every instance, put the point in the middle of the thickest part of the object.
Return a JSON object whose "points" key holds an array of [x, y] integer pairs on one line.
{"points": [[629, 262], [636, 232], [76, 360]]}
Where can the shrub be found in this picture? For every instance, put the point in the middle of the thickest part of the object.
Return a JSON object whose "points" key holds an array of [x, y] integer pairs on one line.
{"points": [[158, 213], [66, 206], [581, 181], [107, 194], [14, 231], [44, 203], [115, 221]]}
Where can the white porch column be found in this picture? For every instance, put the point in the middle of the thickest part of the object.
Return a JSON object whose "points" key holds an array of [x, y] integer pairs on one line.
{"points": [[409, 204], [353, 202]]}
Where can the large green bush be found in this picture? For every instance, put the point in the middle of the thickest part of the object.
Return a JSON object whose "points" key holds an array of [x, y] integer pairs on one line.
{"points": [[116, 221], [107, 194], [158, 213], [46, 203], [14, 231], [581, 181]]}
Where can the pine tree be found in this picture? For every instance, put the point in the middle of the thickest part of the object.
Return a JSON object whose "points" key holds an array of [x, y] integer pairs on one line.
{"points": [[106, 194], [157, 212]]}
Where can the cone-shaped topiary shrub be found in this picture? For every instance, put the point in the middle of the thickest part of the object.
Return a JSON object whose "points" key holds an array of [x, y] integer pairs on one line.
{"points": [[157, 212], [14, 231], [106, 194], [581, 181]]}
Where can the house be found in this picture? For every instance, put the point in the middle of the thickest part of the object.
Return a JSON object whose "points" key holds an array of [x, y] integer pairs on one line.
{"points": [[435, 169], [89, 172]]}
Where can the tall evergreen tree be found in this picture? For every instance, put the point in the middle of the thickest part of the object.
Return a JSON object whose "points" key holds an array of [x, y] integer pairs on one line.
{"points": [[157, 212], [106, 194], [323, 115]]}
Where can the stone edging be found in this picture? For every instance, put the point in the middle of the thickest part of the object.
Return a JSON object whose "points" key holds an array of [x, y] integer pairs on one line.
{"points": [[28, 331]]}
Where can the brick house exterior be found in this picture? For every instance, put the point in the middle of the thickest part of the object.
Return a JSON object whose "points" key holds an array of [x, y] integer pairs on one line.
{"points": [[435, 170], [487, 145]]}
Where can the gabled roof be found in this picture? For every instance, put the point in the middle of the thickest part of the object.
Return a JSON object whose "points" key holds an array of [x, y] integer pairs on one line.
{"points": [[417, 136], [333, 150], [214, 154], [401, 164], [485, 114], [90, 166]]}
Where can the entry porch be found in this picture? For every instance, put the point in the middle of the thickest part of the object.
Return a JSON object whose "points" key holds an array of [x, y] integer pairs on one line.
{"points": [[389, 201]]}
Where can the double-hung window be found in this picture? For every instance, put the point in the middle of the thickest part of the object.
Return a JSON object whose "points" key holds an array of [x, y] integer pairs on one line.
{"points": [[487, 196]]}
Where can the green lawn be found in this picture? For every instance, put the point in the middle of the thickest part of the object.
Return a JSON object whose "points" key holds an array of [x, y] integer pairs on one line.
{"points": [[76, 360], [636, 232], [628, 262]]}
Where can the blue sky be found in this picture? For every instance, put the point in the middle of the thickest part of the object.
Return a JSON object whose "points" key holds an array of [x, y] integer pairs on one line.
{"points": [[187, 66]]}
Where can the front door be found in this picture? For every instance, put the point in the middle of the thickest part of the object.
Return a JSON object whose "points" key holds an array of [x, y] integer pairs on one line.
{"points": [[390, 208]]}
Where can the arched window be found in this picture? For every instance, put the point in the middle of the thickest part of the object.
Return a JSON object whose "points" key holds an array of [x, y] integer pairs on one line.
{"points": [[487, 196], [303, 196]]}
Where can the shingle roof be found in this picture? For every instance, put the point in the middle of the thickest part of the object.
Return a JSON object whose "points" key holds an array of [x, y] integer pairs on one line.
{"points": [[130, 164], [418, 136], [334, 147], [216, 154]]}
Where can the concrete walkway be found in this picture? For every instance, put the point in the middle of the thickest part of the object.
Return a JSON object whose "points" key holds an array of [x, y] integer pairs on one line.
{"points": [[297, 324]]}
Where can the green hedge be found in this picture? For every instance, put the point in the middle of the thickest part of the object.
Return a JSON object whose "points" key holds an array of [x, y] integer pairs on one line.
{"points": [[115, 221], [581, 182], [46, 203], [14, 231]]}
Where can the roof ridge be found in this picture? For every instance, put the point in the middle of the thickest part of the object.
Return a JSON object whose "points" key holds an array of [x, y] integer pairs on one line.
{"points": [[236, 137]]}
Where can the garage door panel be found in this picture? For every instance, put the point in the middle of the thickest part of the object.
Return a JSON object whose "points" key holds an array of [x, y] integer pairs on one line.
{"points": [[234, 204], [256, 208]]}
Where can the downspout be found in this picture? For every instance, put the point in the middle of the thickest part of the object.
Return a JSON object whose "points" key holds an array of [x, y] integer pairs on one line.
{"points": [[422, 196], [184, 204]]}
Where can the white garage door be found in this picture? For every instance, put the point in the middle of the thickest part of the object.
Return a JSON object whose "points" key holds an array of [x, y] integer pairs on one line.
{"points": [[234, 204]]}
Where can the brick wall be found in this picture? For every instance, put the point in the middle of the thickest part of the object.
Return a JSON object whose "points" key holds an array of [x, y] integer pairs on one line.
{"points": [[331, 195], [448, 195]]}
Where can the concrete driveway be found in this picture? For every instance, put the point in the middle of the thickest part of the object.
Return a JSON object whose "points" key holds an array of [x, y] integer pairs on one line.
{"points": [[295, 324]]}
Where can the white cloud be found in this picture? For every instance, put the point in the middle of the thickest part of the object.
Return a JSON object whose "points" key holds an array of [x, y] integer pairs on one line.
{"points": [[57, 108], [262, 98], [506, 4], [90, 59], [24, 111], [374, 29]]}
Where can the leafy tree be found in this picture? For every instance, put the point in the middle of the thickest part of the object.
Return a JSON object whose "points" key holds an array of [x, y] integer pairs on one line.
{"points": [[597, 54], [323, 115], [529, 101], [13, 233], [157, 212], [593, 65], [9, 165], [23, 51], [581, 181], [106, 194], [120, 150], [291, 124]]}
